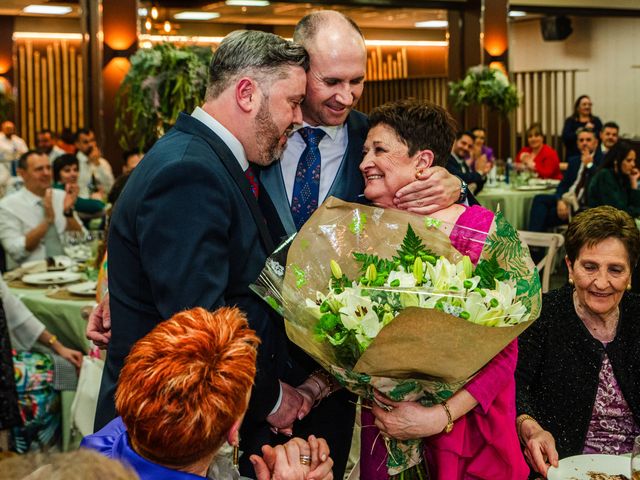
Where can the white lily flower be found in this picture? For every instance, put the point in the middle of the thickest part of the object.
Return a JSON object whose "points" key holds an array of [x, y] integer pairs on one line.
{"points": [[407, 280]]}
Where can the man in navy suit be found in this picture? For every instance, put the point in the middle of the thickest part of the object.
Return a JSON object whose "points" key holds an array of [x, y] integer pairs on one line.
{"points": [[188, 230], [549, 211], [335, 82]]}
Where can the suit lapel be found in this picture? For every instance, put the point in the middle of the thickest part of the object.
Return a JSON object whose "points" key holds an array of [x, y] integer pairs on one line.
{"points": [[190, 125], [273, 182]]}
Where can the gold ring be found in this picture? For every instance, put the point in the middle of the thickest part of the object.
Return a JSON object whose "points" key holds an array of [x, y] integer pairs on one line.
{"points": [[305, 459]]}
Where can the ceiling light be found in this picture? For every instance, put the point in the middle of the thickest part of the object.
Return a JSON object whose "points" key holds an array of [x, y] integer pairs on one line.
{"points": [[196, 15], [517, 13], [247, 3], [147, 24], [167, 26], [154, 12], [432, 24], [142, 12], [41, 35], [47, 9]]}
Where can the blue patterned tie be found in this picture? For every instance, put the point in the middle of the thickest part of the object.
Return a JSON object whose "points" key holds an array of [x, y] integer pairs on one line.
{"points": [[306, 189]]}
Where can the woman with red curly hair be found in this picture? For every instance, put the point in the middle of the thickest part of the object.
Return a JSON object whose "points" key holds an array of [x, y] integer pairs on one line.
{"points": [[183, 392]]}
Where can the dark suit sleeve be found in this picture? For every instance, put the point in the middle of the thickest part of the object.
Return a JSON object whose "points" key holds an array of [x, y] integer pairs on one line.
{"points": [[183, 228]]}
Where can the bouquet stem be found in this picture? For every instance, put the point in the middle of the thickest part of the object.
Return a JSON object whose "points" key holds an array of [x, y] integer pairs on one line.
{"points": [[417, 472]]}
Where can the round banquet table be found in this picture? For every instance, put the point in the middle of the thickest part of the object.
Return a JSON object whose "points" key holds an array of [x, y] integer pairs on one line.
{"points": [[62, 318], [515, 204]]}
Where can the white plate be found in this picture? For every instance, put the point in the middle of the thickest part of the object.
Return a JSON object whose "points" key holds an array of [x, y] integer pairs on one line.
{"points": [[576, 468], [526, 188], [51, 278], [86, 289]]}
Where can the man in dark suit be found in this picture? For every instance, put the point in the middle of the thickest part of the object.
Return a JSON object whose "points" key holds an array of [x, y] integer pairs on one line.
{"points": [[329, 143], [551, 210], [188, 231], [457, 164]]}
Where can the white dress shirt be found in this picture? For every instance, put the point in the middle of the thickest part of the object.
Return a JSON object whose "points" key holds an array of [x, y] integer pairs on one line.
{"points": [[225, 135], [55, 152], [24, 328], [102, 173], [11, 148], [21, 212], [332, 149]]}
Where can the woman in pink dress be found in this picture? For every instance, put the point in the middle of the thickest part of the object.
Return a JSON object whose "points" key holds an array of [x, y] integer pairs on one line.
{"points": [[473, 435]]}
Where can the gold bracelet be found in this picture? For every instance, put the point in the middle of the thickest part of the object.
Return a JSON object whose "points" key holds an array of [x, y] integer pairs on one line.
{"points": [[52, 339], [520, 421], [449, 426]]}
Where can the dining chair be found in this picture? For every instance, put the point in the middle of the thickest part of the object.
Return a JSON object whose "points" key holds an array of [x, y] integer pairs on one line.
{"points": [[551, 242]]}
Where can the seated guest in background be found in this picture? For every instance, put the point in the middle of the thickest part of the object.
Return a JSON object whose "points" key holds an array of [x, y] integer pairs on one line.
{"points": [[581, 118], [65, 172], [479, 150], [615, 182], [457, 165], [608, 136], [549, 211], [11, 145], [46, 143], [33, 219], [537, 156], [95, 173], [578, 373], [131, 158], [67, 141], [182, 394], [38, 390]]}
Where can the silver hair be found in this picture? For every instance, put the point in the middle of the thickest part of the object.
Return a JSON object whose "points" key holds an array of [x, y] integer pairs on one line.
{"points": [[261, 55]]}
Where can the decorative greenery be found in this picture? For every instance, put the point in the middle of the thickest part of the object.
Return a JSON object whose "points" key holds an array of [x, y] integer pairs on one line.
{"points": [[7, 102], [162, 82], [484, 86]]}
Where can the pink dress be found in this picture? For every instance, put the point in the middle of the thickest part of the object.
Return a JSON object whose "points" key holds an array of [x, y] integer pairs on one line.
{"points": [[483, 443]]}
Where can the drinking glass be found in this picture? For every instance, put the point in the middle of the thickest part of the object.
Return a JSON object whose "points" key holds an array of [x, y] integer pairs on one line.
{"points": [[635, 460]]}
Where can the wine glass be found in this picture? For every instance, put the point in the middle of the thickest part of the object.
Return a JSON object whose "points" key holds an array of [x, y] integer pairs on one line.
{"points": [[635, 460]]}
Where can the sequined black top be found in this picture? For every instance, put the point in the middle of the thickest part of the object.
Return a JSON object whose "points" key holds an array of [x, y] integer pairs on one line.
{"points": [[559, 362]]}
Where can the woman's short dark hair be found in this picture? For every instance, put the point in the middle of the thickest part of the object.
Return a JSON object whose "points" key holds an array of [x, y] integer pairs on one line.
{"points": [[420, 125], [61, 162], [592, 226]]}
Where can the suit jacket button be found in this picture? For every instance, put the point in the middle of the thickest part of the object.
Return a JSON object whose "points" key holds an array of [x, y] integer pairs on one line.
{"points": [[273, 356]]}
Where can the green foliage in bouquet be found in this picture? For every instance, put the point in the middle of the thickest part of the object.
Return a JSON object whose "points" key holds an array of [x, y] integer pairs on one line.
{"points": [[354, 311], [163, 81], [484, 86]]}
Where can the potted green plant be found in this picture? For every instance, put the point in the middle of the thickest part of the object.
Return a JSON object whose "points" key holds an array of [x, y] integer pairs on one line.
{"points": [[484, 86], [7, 102], [162, 81]]}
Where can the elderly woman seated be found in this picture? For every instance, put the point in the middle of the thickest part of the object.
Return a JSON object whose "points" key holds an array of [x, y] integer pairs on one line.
{"points": [[183, 392], [578, 374]]}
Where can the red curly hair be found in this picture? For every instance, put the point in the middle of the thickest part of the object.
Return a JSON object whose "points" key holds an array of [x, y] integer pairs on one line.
{"points": [[185, 383]]}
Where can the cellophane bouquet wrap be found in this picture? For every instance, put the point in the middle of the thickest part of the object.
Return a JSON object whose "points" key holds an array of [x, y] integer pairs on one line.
{"points": [[382, 300]]}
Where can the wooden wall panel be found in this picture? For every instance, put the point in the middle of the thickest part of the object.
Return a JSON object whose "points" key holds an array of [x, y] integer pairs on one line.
{"points": [[50, 89], [433, 89]]}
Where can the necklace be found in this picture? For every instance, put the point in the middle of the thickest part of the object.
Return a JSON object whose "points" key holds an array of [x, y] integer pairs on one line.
{"points": [[602, 329]]}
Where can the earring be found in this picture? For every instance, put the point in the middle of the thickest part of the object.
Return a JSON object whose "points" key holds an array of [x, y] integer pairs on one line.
{"points": [[236, 457], [419, 173], [629, 287], [571, 281]]}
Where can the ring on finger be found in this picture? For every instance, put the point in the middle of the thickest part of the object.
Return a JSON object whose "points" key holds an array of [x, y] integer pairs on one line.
{"points": [[305, 459]]}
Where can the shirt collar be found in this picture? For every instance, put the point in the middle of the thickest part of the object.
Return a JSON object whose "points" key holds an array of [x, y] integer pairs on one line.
{"points": [[225, 135], [331, 131], [30, 196]]}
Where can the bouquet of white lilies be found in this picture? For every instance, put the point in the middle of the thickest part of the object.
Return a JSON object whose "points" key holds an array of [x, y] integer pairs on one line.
{"points": [[382, 300]]}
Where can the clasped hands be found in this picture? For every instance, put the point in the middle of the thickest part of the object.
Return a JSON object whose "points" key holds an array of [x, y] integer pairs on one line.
{"points": [[296, 403]]}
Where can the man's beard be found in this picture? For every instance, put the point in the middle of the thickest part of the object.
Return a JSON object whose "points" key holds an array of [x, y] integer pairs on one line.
{"points": [[267, 136]]}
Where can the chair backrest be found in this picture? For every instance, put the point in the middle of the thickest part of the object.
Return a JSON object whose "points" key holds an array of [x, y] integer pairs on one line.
{"points": [[551, 241]]}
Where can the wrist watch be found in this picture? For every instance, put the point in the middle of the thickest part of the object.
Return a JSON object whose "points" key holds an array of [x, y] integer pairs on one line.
{"points": [[464, 191], [68, 212]]}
